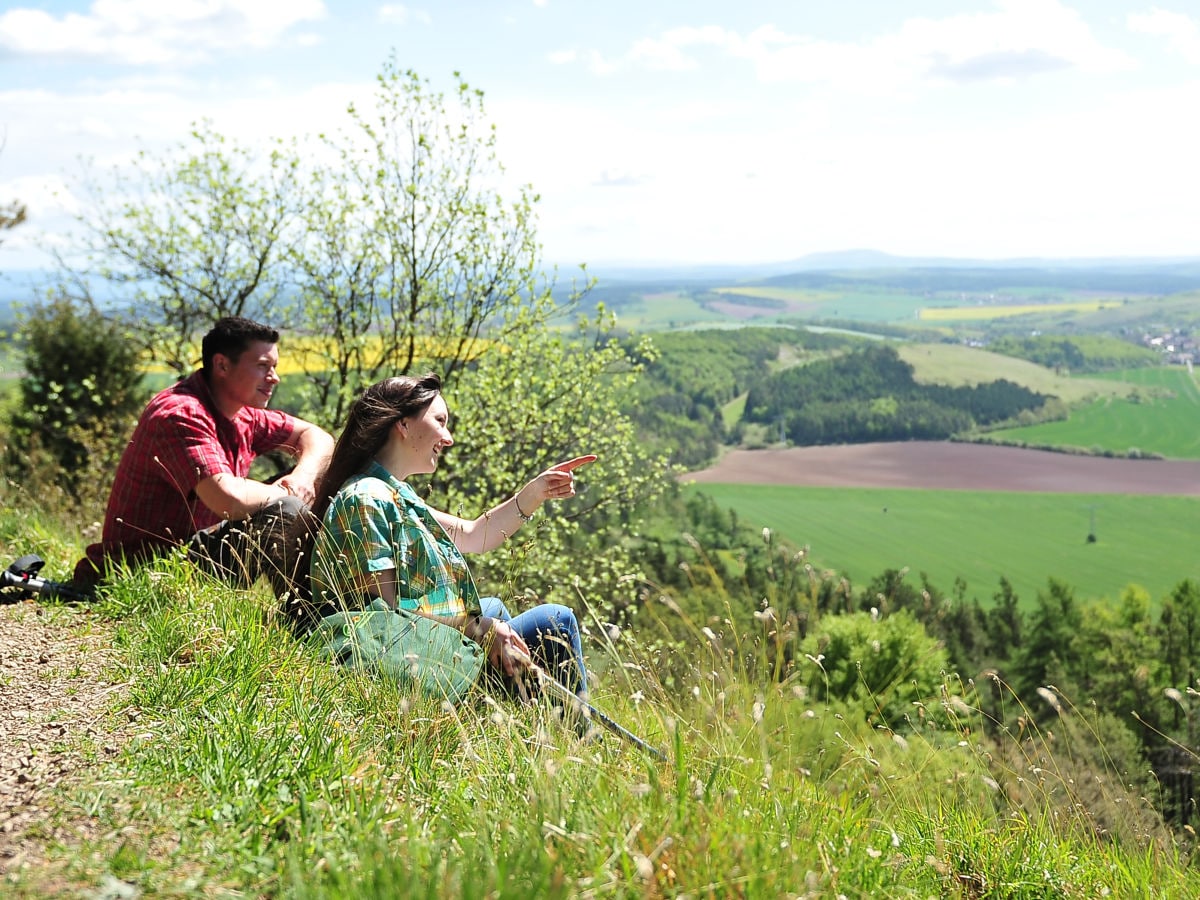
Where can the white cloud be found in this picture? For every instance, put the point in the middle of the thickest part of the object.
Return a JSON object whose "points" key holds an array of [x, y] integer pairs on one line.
{"points": [[397, 14], [561, 57], [1182, 33], [153, 32], [1017, 39]]}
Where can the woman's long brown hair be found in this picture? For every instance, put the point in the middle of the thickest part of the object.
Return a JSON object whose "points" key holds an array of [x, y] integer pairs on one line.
{"points": [[370, 420]]}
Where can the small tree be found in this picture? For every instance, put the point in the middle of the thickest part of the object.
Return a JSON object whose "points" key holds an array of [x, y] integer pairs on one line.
{"points": [[410, 256], [551, 397], [79, 396], [884, 666], [192, 237]]}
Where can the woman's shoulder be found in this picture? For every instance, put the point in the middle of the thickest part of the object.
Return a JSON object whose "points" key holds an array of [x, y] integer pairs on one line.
{"points": [[365, 487]]}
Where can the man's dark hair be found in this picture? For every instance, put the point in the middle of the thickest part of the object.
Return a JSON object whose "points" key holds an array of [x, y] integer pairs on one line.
{"points": [[232, 335]]}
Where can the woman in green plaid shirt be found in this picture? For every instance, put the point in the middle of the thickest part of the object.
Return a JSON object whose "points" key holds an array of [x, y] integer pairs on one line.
{"points": [[379, 539]]}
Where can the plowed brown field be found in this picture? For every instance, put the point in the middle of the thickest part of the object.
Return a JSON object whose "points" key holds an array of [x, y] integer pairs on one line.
{"points": [[953, 466]]}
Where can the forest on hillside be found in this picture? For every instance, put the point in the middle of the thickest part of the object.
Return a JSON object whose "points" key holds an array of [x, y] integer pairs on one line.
{"points": [[870, 394]]}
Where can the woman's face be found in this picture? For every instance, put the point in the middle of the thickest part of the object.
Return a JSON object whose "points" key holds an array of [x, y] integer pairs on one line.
{"points": [[426, 436]]}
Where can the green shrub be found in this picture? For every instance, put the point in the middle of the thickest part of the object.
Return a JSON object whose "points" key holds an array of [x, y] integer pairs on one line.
{"points": [[879, 665], [79, 397]]}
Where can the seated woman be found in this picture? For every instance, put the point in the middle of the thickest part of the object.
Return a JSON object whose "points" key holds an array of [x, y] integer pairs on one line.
{"points": [[379, 539]]}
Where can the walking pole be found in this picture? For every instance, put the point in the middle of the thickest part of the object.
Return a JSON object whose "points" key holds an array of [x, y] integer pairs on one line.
{"points": [[563, 693], [23, 575]]}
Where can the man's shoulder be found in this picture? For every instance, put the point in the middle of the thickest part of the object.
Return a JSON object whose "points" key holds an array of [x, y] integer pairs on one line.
{"points": [[182, 395], [172, 411]]}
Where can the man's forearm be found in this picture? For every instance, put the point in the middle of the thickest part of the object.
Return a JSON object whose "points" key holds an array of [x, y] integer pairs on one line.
{"points": [[231, 497], [314, 448]]}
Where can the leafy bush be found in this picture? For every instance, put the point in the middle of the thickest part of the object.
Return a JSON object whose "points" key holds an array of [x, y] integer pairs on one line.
{"points": [[878, 665], [79, 397]]}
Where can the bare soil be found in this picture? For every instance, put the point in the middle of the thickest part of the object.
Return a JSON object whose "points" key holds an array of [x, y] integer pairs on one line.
{"points": [[54, 696], [953, 466]]}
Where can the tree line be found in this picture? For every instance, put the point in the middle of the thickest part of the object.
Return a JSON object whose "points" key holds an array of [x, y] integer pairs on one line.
{"points": [[869, 394], [1076, 353]]}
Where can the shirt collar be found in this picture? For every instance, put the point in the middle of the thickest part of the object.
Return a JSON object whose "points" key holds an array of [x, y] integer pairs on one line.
{"points": [[376, 470]]}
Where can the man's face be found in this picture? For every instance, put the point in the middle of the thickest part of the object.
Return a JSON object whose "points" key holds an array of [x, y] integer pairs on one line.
{"points": [[251, 380]]}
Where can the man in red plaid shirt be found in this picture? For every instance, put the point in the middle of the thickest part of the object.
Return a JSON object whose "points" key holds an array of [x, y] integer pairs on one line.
{"points": [[183, 478]]}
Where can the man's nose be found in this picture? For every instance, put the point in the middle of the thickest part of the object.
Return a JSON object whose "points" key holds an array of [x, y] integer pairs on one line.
{"points": [[272, 376]]}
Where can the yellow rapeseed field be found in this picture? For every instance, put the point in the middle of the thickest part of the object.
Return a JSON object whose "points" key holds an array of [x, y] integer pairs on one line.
{"points": [[304, 353], [975, 313]]}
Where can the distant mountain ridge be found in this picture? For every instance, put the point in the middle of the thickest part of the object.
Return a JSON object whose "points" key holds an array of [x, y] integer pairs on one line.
{"points": [[865, 259]]}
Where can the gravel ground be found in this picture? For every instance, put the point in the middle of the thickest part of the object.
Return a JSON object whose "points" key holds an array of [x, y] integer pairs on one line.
{"points": [[55, 693]]}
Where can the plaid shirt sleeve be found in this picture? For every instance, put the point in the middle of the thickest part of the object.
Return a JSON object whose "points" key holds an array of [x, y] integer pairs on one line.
{"points": [[272, 428], [356, 540], [187, 448]]}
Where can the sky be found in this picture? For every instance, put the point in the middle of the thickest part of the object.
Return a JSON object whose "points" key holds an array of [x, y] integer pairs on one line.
{"points": [[668, 131]]}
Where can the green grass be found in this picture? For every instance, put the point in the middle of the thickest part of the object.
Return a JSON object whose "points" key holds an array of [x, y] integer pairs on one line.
{"points": [[980, 536], [244, 767], [670, 309], [958, 364], [1163, 419]]}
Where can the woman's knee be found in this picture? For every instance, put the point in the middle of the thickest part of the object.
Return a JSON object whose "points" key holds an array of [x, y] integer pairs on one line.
{"points": [[494, 608]]}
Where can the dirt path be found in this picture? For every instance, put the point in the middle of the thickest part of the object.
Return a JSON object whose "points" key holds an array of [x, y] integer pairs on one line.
{"points": [[54, 665], [928, 464]]}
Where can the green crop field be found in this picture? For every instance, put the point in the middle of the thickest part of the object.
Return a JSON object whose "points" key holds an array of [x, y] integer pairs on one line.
{"points": [[1163, 417], [958, 364], [982, 535], [669, 309]]}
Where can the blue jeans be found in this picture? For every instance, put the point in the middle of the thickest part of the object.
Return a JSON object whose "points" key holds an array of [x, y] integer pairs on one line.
{"points": [[551, 632]]}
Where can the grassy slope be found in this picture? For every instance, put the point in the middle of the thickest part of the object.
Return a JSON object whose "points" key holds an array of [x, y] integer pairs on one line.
{"points": [[253, 769], [980, 536], [958, 364]]}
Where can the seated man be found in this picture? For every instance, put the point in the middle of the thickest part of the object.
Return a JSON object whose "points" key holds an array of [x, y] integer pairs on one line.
{"points": [[183, 477]]}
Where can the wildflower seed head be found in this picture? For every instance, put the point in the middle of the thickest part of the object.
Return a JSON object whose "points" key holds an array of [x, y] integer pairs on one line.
{"points": [[1051, 698]]}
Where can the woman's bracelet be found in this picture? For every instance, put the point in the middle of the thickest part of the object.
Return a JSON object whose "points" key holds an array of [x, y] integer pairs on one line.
{"points": [[520, 512]]}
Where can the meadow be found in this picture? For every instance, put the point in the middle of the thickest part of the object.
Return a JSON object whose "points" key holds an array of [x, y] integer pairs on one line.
{"points": [[230, 761], [959, 364], [864, 304], [1162, 416], [979, 536]]}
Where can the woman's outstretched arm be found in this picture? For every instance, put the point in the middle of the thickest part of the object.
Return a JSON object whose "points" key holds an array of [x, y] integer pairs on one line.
{"points": [[489, 530]]}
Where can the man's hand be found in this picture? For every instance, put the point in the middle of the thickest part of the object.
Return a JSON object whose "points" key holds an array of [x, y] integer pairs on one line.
{"points": [[313, 447], [299, 485]]}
